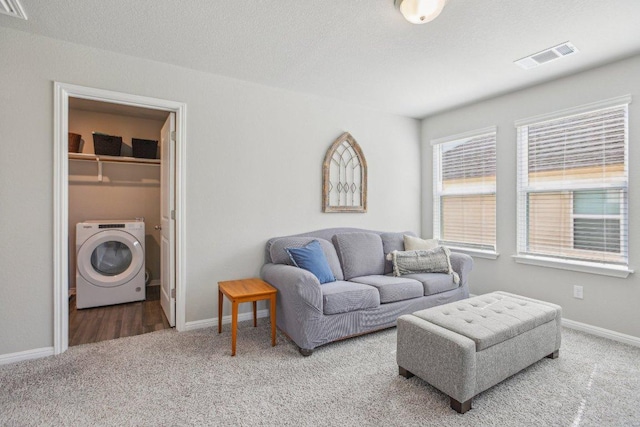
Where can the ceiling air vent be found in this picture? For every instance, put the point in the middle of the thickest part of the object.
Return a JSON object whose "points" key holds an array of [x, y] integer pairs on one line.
{"points": [[545, 56], [12, 8]]}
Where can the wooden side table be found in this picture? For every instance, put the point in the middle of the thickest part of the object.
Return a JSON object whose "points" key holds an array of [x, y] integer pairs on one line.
{"points": [[246, 290]]}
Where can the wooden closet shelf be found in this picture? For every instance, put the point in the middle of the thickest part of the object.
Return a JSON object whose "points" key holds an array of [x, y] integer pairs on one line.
{"points": [[113, 159]]}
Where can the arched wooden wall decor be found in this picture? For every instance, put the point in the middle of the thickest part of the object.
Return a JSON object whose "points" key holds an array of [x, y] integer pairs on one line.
{"points": [[344, 177]]}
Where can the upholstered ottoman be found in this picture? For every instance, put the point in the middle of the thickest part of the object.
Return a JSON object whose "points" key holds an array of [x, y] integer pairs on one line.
{"points": [[465, 347]]}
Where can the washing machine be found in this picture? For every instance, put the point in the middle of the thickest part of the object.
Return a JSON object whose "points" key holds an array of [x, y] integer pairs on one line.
{"points": [[110, 262]]}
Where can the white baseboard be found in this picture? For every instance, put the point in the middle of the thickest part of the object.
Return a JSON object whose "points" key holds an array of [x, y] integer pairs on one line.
{"points": [[154, 282], [601, 332], [207, 323], [21, 356], [571, 324]]}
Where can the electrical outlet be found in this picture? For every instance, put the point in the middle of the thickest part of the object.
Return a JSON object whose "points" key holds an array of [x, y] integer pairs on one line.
{"points": [[578, 292]]}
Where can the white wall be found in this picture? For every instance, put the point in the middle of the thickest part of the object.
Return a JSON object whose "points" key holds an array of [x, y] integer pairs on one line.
{"points": [[609, 303], [254, 157]]}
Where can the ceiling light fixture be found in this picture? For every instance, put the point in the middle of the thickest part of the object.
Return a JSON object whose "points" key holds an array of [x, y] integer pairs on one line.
{"points": [[420, 11]]}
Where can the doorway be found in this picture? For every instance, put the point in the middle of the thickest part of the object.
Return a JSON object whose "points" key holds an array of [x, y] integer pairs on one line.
{"points": [[172, 164]]}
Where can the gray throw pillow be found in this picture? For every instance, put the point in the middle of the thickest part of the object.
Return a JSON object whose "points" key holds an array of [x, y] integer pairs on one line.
{"points": [[423, 261], [393, 241]]}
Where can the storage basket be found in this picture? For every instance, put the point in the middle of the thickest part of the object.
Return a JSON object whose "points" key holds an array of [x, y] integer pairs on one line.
{"points": [[74, 142], [107, 145], [144, 148]]}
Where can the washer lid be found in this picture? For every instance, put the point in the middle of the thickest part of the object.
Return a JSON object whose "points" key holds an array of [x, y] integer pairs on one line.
{"points": [[110, 258]]}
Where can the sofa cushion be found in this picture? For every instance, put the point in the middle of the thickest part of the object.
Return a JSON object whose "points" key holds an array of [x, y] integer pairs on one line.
{"points": [[392, 242], [391, 288], [279, 255], [434, 283], [360, 254], [312, 258], [492, 318], [342, 297], [412, 243]]}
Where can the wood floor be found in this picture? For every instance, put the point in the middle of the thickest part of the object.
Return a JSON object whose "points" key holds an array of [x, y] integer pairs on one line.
{"points": [[115, 321]]}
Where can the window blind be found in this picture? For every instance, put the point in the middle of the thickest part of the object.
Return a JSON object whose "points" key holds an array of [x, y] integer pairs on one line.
{"points": [[572, 186], [465, 190]]}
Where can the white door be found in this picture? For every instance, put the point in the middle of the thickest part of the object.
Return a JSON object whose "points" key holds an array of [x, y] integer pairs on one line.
{"points": [[167, 220]]}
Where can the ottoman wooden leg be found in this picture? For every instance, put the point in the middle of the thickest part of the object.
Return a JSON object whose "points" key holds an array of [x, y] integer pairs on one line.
{"points": [[554, 355], [404, 372], [461, 408]]}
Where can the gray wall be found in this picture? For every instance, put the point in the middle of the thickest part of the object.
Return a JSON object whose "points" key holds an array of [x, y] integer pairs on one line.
{"points": [[253, 171], [609, 303]]}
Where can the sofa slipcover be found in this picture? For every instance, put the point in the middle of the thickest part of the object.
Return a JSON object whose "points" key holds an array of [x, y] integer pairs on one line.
{"points": [[360, 254], [279, 254], [392, 288], [312, 315], [342, 297], [433, 283]]}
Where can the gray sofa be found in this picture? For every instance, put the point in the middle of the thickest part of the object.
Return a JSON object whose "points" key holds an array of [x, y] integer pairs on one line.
{"points": [[365, 296]]}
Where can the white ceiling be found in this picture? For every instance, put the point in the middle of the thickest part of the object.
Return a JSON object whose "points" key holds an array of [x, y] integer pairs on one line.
{"points": [[358, 51]]}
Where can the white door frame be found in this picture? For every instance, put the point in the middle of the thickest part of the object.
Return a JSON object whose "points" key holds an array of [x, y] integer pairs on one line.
{"points": [[62, 93]]}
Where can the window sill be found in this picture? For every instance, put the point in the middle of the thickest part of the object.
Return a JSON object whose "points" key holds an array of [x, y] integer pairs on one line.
{"points": [[476, 253], [582, 266]]}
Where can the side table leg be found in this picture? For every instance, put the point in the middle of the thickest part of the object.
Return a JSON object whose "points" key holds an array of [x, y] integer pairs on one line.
{"points": [[255, 315], [220, 311], [273, 320], [234, 326]]}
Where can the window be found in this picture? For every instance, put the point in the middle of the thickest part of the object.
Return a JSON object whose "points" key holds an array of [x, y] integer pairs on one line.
{"points": [[572, 185], [597, 220], [464, 193], [344, 177]]}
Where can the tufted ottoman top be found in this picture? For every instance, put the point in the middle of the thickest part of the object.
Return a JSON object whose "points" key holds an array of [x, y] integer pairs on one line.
{"points": [[491, 318]]}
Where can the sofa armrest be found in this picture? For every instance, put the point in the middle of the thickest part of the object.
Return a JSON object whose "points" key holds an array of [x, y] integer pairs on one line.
{"points": [[461, 264], [296, 287]]}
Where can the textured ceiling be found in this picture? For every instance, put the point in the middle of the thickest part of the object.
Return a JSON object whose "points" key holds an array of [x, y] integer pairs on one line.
{"points": [[358, 51]]}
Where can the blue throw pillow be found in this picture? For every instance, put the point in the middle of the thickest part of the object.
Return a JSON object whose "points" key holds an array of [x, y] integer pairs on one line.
{"points": [[312, 258]]}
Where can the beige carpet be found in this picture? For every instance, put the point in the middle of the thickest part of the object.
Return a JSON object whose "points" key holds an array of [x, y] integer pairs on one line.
{"points": [[167, 378]]}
